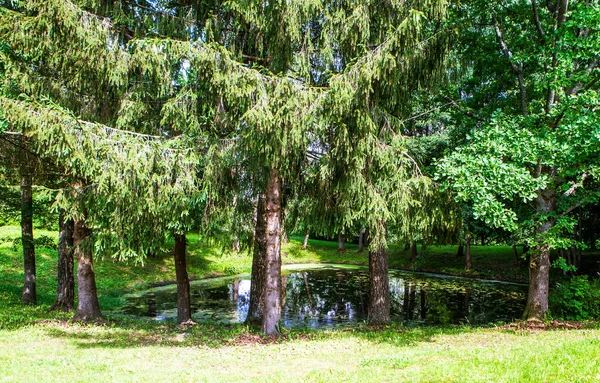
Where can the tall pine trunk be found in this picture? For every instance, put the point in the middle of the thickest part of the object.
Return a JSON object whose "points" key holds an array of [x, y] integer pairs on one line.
{"points": [[257, 283], [65, 291], [341, 246], [468, 252], [88, 308], [539, 262], [272, 305], [379, 290], [29, 294], [361, 240], [306, 236], [184, 311]]}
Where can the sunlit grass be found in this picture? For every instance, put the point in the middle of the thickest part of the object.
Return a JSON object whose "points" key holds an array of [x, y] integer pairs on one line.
{"points": [[59, 352]]}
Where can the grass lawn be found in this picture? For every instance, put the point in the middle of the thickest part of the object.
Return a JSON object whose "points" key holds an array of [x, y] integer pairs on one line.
{"points": [[37, 345]]}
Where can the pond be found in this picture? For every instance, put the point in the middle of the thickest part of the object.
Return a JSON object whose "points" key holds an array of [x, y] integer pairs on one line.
{"points": [[336, 296]]}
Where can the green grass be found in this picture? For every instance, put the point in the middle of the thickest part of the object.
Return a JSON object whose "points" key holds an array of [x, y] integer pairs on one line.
{"points": [[61, 352], [38, 345]]}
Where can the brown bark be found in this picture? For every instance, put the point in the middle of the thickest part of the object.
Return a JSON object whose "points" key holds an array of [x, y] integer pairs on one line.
{"points": [[306, 236], [379, 290], [341, 247], [184, 311], [88, 308], [257, 283], [29, 286], [468, 252], [361, 240], [65, 291], [235, 246], [539, 262], [272, 303], [413, 254]]}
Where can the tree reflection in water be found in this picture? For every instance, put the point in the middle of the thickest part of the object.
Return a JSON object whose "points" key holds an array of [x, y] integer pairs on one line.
{"points": [[333, 297]]}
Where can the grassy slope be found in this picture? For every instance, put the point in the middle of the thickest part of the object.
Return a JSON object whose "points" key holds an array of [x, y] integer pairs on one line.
{"points": [[36, 345]]}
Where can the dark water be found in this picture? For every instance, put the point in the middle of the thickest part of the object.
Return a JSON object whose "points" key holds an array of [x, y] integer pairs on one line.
{"points": [[332, 296]]}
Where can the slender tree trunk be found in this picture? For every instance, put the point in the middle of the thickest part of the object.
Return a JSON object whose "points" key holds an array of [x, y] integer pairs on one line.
{"points": [[461, 250], [257, 283], [539, 263], [284, 235], [468, 252], [379, 290], [361, 240], [235, 246], [515, 254], [306, 236], [65, 291], [272, 306], [341, 247], [413, 254], [184, 311], [29, 294], [88, 308]]}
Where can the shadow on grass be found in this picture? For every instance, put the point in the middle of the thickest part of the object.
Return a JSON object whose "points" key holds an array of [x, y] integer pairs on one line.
{"points": [[131, 334]]}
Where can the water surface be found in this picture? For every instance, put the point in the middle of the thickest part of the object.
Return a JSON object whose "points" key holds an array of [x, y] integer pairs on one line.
{"points": [[337, 296]]}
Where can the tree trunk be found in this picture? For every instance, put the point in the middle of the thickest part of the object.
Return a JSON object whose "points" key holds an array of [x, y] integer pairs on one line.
{"points": [[184, 311], [468, 252], [272, 305], [515, 254], [461, 250], [88, 308], [65, 291], [29, 294], [413, 254], [257, 283], [379, 291], [235, 246], [306, 236], [361, 240], [282, 226], [341, 247], [539, 263]]}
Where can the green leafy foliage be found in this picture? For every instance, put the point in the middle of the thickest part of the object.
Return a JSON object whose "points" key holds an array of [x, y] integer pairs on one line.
{"points": [[576, 299]]}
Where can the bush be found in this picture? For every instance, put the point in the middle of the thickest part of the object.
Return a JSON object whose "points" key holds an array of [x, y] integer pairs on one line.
{"points": [[41, 241], [576, 299], [46, 241]]}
